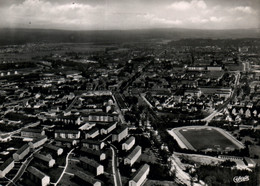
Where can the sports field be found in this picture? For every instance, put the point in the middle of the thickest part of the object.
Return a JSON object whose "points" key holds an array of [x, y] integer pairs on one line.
{"points": [[205, 138]]}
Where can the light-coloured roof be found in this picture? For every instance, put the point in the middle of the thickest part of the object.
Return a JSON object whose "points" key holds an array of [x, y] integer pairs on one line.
{"points": [[134, 152], [140, 173]]}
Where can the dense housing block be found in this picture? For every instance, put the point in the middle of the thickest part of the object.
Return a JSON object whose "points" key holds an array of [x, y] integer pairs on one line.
{"points": [[47, 161], [129, 143], [56, 150], [21, 153], [85, 179], [67, 134], [120, 134], [37, 176], [32, 132], [140, 176], [96, 154], [133, 156], [92, 166], [6, 167], [38, 142]]}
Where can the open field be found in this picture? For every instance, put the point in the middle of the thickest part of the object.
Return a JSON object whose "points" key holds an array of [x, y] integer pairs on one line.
{"points": [[205, 138]]}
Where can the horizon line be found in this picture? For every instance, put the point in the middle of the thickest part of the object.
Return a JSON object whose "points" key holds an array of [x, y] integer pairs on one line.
{"points": [[134, 29]]}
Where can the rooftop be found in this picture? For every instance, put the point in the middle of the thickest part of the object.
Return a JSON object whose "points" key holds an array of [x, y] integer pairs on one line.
{"points": [[86, 177], [52, 147], [129, 140], [36, 172], [6, 163], [134, 152], [22, 149], [42, 157], [90, 162], [137, 176]]}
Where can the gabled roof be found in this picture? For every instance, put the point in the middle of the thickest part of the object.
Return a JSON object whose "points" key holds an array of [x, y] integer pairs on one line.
{"points": [[137, 176], [67, 131], [34, 130], [134, 152], [52, 147], [90, 162], [120, 130], [6, 164], [89, 141], [86, 178], [65, 140], [129, 140], [39, 139], [91, 151], [36, 172], [22, 149], [42, 157]]}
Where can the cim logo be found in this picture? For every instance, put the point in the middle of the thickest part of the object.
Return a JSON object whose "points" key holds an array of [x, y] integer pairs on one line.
{"points": [[239, 179]]}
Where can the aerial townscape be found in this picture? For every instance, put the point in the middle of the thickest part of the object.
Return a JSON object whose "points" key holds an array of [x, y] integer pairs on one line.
{"points": [[148, 107]]}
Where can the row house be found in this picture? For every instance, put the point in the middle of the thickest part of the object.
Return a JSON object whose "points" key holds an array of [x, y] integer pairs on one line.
{"points": [[133, 156], [54, 149], [69, 120], [140, 176], [21, 153], [92, 166], [38, 177], [92, 133], [63, 142], [120, 133], [93, 144], [47, 161], [38, 142], [96, 154], [67, 134], [101, 117], [129, 143], [85, 179], [32, 133], [6, 167], [106, 128]]}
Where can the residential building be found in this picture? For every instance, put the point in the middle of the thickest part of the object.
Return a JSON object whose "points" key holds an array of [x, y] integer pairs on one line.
{"points": [[6, 167], [96, 154], [120, 134], [56, 150], [140, 176], [48, 161], [38, 177], [196, 68], [214, 68], [92, 144], [249, 162], [193, 92], [21, 153], [32, 132], [92, 133], [106, 128], [67, 134], [129, 143], [70, 119], [38, 142], [101, 117], [85, 179], [65, 142], [133, 156], [92, 166]]}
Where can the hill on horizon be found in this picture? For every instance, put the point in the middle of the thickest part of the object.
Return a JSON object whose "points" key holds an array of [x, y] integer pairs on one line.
{"points": [[22, 36]]}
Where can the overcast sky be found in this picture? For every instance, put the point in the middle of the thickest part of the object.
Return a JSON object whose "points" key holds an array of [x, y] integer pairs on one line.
{"points": [[130, 14]]}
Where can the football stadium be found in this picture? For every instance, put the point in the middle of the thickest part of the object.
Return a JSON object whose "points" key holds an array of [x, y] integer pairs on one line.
{"points": [[205, 138]]}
